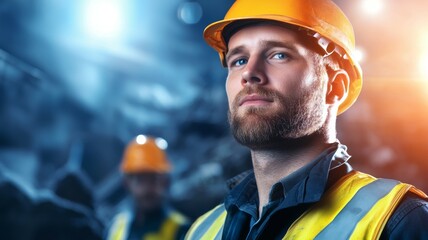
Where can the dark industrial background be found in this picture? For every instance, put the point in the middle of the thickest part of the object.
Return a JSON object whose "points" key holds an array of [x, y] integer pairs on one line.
{"points": [[79, 79]]}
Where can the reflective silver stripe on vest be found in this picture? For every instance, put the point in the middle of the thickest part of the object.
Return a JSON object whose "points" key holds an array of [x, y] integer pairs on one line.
{"points": [[206, 224], [220, 233], [345, 222]]}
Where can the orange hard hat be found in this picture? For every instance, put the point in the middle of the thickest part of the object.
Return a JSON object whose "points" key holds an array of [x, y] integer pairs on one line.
{"points": [[322, 19], [145, 154]]}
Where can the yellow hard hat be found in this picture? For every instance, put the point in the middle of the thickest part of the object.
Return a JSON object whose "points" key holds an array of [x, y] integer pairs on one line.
{"points": [[322, 19], [145, 154]]}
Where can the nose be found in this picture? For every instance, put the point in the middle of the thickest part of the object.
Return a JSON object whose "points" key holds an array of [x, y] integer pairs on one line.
{"points": [[254, 73]]}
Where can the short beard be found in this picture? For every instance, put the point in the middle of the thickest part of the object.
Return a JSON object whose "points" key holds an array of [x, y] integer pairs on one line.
{"points": [[297, 117]]}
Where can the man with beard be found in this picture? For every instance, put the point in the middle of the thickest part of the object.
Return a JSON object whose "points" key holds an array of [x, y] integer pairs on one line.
{"points": [[146, 170], [291, 71]]}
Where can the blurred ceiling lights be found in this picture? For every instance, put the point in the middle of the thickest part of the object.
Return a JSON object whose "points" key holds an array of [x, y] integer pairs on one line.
{"points": [[104, 19], [161, 143], [190, 12], [141, 139]]}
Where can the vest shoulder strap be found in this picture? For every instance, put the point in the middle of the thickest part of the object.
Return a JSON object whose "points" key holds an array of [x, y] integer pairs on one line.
{"points": [[119, 227], [209, 225], [356, 207]]}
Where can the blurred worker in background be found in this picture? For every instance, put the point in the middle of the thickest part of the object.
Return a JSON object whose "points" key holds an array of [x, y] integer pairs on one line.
{"points": [[291, 71], [146, 172]]}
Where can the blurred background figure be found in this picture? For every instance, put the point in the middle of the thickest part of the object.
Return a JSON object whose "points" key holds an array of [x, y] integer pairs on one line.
{"points": [[146, 171]]}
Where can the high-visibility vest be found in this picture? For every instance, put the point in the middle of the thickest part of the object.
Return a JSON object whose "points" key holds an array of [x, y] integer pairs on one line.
{"points": [[168, 231], [356, 207]]}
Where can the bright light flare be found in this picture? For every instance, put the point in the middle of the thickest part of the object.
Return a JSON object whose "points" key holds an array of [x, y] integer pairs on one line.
{"points": [[423, 65], [161, 143], [359, 55], [423, 59], [103, 18], [372, 7], [141, 139]]}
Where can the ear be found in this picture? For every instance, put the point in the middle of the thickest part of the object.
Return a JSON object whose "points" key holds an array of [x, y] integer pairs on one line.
{"points": [[338, 87]]}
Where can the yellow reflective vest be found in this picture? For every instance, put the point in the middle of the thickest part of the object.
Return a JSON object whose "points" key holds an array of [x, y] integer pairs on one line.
{"points": [[357, 207], [168, 231]]}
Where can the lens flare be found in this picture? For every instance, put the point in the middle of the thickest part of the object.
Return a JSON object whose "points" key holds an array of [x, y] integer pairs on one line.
{"points": [[103, 19], [141, 139], [359, 55], [423, 65], [372, 7]]}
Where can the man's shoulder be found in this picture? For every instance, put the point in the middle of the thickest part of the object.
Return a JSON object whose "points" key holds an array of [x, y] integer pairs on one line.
{"points": [[122, 215], [409, 220], [179, 218]]}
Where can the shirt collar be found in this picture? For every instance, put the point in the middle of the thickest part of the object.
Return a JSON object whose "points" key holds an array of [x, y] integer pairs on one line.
{"points": [[303, 186], [244, 195], [309, 182]]}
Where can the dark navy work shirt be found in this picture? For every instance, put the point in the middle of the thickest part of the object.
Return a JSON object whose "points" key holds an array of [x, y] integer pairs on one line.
{"points": [[294, 194], [152, 223]]}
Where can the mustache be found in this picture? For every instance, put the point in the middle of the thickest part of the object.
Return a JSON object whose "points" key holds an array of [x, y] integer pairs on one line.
{"points": [[263, 92]]}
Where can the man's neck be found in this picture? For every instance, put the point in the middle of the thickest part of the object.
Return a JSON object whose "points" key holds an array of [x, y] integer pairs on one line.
{"points": [[273, 164]]}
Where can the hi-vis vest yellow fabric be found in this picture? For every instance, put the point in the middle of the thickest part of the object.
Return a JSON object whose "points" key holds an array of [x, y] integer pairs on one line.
{"points": [[356, 207], [168, 231]]}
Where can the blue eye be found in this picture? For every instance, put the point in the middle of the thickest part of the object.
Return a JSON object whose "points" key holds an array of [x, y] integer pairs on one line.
{"points": [[280, 56], [240, 62]]}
